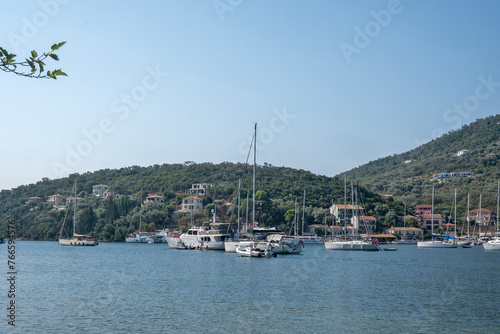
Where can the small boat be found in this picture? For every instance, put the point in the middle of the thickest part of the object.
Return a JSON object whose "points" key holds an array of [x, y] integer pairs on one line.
{"points": [[389, 249], [138, 237], [255, 249]]}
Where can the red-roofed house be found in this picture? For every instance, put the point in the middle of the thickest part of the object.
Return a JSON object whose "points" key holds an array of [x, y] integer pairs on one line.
{"points": [[158, 199], [427, 221], [483, 216]]}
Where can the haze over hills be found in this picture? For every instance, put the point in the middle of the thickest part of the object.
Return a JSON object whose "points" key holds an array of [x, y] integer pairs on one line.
{"points": [[410, 176]]}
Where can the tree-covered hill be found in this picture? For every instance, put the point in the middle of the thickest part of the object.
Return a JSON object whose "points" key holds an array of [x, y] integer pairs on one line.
{"points": [[409, 176], [112, 218]]}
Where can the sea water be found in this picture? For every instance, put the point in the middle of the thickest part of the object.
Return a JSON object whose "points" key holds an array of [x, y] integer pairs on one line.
{"points": [[148, 288]]}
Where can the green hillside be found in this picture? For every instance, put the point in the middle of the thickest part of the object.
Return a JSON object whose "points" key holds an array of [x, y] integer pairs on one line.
{"points": [[409, 176], [112, 219]]}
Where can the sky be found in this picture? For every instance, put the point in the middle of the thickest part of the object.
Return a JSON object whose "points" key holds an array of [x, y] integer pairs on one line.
{"points": [[331, 84]]}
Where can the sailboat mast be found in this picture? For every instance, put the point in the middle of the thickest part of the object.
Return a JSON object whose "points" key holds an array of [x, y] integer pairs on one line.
{"points": [[404, 223], [455, 204], [303, 212], [140, 214], [468, 222], [246, 218], [254, 164], [239, 199], [432, 215], [498, 204], [74, 212], [345, 205], [352, 203], [480, 214]]}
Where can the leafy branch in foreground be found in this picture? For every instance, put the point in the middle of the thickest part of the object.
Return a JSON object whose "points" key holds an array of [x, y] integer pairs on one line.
{"points": [[32, 67]]}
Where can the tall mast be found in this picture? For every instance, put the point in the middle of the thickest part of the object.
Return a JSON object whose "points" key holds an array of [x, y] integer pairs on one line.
{"points": [[455, 203], [432, 215], [468, 223], [246, 218], [479, 214], [498, 205], [74, 211], [345, 205], [192, 205], [239, 198], [140, 214], [254, 164], [303, 212], [404, 223], [352, 203]]}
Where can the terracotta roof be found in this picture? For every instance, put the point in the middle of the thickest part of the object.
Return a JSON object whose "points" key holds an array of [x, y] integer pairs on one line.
{"points": [[367, 218], [404, 229], [154, 196], [35, 197], [98, 185], [435, 216], [381, 236], [423, 206], [56, 195], [348, 206], [482, 211]]}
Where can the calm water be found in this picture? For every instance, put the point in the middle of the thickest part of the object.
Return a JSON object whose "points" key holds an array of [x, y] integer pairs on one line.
{"points": [[120, 288]]}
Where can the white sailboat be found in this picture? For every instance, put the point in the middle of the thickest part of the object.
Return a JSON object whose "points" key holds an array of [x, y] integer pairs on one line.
{"points": [[353, 242], [494, 244], [138, 237], [434, 243], [76, 239]]}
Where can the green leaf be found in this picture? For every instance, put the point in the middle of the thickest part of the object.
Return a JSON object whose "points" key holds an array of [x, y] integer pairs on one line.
{"points": [[59, 72], [34, 54], [57, 46], [54, 56]]}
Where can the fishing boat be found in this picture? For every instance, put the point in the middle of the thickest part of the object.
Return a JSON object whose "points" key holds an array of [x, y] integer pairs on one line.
{"points": [[138, 237], [434, 243], [494, 244], [76, 239]]}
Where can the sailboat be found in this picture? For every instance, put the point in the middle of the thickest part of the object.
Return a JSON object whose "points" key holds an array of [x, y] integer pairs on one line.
{"points": [[353, 242], [138, 238], [76, 239], [251, 248], [494, 244], [434, 243]]}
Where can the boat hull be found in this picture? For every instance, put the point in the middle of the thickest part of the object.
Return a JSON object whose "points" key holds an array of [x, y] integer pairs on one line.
{"points": [[492, 245], [351, 246], [77, 242], [435, 244]]}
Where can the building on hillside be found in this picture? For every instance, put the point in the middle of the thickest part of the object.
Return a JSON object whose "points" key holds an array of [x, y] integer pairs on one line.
{"points": [[429, 220], [99, 189], [35, 199], [365, 224], [157, 199], [421, 210], [191, 203], [199, 188], [462, 152], [482, 217], [339, 210], [72, 199], [109, 193], [408, 161], [55, 199], [406, 232], [452, 174]]}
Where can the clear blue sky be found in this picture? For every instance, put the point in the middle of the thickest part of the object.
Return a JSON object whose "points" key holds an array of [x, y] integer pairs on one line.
{"points": [[331, 84]]}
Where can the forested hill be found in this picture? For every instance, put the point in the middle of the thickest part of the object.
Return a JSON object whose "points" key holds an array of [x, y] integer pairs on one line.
{"points": [[409, 176], [277, 190]]}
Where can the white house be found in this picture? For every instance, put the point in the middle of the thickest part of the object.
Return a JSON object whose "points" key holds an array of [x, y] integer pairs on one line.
{"points": [[364, 223], [339, 210], [157, 199], [191, 203], [99, 189], [55, 199], [406, 232], [462, 152], [199, 188]]}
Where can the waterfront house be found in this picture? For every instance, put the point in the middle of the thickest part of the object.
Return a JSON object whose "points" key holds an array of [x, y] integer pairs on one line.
{"points": [[482, 216], [339, 210], [406, 232], [427, 221]]}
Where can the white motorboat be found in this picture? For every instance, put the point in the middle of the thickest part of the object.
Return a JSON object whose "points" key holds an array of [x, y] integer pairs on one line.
{"points": [[282, 244], [436, 244], [492, 245], [255, 249], [210, 236], [407, 242], [313, 239]]}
